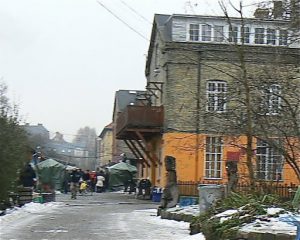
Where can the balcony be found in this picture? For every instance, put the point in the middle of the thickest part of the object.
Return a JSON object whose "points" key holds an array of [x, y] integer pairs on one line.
{"points": [[148, 120]]}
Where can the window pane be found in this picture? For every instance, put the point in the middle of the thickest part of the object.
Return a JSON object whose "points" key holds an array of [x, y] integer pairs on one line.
{"points": [[206, 32], [218, 33], [245, 34], [269, 162], [216, 96], [259, 35], [283, 37], [271, 36], [194, 32], [233, 34], [213, 157]]}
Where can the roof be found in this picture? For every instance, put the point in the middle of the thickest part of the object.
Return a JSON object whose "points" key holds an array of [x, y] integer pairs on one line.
{"points": [[123, 98], [107, 128], [38, 129]]}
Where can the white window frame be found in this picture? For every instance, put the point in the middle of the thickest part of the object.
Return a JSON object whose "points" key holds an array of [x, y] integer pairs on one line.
{"points": [[282, 37], [259, 37], [234, 34], [194, 32], [271, 36], [269, 162], [206, 32], [272, 100], [246, 34], [218, 33], [213, 157], [216, 96]]}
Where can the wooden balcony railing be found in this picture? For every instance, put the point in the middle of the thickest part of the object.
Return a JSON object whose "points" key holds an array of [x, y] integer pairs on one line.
{"points": [[139, 118]]}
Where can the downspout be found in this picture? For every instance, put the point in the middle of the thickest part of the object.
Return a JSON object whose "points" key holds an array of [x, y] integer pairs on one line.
{"points": [[198, 117]]}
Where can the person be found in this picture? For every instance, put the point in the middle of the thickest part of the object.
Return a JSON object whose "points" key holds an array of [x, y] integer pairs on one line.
{"points": [[83, 187], [86, 176], [100, 183], [75, 178], [232, 174], [66, 181], [93, 180], [106, 181], [28, 176]]}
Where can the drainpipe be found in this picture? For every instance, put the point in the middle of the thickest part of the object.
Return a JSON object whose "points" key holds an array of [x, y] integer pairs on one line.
{"points": [[198, 117]]}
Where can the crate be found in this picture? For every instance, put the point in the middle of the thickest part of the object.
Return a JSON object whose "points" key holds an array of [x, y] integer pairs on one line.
{"points": [[25, 195], [187, 201]]}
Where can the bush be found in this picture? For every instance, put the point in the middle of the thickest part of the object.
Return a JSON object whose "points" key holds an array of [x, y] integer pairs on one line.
{"points": [[250, 207], [13, 147]]}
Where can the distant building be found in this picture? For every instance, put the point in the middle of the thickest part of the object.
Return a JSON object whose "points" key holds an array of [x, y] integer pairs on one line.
{"points": [[57, 147], [67, 151], [106, 144], [37, 132]]}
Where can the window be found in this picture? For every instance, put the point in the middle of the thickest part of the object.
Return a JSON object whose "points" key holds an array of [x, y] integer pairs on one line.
{"points": [[269, 162], [259, 36], [216, 96], [194, 32], [206, 32], [282, 37], [246, 32], [271, 36], [233, 34], [218, 33], [213, 157], [272, 100]]}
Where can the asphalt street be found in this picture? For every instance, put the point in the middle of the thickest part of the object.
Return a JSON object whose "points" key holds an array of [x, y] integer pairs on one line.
{"points": [[109, 216]]}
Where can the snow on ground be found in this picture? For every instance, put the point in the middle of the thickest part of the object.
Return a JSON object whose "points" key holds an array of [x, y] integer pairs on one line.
{"points": [[284, 223], [273, 225], [182, 228], [32, 210], [189, 210], [17, 213]]}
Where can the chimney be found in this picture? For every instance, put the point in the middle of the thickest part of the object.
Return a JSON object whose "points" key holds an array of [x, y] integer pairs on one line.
{"points": [[261, 13], [277, 9]]}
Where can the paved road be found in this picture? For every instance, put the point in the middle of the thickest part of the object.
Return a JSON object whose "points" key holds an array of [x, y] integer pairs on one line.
{"points": [[109, 216]]}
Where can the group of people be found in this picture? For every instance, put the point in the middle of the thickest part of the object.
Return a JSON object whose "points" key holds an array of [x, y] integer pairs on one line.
{"points": [[79, 181]]}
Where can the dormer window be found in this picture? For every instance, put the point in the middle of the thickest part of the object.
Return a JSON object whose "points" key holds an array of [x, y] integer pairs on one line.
{"points": [[259, 36], [194, 32], [233, 34], [271, 36], [218, 33], [245, 32], [283, 37], [206, 32]]}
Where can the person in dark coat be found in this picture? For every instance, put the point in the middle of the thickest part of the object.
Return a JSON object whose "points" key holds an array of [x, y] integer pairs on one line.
{"points": [[27, 177], [75, 177]]}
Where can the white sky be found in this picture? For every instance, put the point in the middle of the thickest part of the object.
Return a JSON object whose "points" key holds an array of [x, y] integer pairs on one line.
{"points": [[63, 60]]}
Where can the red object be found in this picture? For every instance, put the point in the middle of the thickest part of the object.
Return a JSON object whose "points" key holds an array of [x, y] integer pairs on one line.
{"points": [[93, 175], [233, 156]]}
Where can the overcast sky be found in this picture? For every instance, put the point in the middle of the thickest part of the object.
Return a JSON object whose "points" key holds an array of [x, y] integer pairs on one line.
{"points": [[63, 60]]}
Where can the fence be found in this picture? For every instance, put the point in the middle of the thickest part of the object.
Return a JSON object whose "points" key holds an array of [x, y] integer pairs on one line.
{"points": [[285, 191]]}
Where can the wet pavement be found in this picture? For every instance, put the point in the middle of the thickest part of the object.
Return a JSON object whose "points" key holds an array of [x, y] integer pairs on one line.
{"points": [[111, 216]]}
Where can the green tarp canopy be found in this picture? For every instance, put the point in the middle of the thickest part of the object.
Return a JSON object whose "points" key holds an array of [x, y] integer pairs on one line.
{"points": [[51, 172], [120, 173]]}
